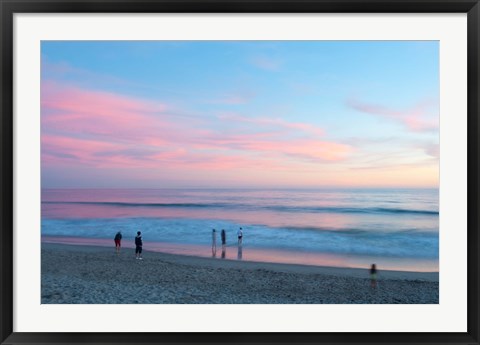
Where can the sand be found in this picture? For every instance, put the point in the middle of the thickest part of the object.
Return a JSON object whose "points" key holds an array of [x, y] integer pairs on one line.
{"points": [[75, 274]]}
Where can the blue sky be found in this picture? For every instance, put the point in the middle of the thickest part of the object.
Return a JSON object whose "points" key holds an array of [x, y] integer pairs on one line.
{"points": [[312, 113]]}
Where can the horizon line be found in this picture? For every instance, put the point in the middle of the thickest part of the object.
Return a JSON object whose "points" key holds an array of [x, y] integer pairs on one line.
{"points": [[240, 188]]}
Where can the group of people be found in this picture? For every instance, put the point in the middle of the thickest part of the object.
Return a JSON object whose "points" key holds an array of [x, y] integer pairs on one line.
{"points": [[223, 237], [138, 244]]}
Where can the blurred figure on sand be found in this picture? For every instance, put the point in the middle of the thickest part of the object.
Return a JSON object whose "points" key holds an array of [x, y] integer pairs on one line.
{"points": [[138, 246], [373, 276]]}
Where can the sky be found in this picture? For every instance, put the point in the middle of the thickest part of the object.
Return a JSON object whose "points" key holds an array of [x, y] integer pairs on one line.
{"points": [[239, 114]]}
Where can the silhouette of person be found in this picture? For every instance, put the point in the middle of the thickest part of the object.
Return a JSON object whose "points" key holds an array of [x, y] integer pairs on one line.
{"points": [[138, 246], [240, 236], [223, 235]]}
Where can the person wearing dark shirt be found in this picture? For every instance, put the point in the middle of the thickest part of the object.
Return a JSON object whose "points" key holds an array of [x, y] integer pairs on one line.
{"points": [[138, 246], [223, 236], [118, 242]]}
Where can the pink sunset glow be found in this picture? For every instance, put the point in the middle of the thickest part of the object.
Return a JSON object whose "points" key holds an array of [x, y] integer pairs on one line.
{"points": [[109, 131], [416, 118], [276, 122], [238, 114], [74, 110]]}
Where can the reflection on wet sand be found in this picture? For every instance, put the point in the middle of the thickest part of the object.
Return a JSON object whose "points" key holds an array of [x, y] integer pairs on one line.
{"points": [[265, 255], [240, 252]]}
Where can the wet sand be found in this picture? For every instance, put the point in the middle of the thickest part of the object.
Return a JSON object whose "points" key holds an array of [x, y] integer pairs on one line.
{"points": [[76, 274]]}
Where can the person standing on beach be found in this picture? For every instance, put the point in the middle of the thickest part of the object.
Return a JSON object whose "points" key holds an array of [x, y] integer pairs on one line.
{"points": [[373, 276], [223, 235], [214, 242], [118, 240], [138, 246], [240, 236]]}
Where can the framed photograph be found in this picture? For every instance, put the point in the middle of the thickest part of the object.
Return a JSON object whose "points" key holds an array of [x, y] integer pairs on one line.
{"points": [[239, 172]]}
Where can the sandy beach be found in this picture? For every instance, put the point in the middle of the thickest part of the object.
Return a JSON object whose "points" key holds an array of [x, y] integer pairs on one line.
{"points": [[74, 274]]}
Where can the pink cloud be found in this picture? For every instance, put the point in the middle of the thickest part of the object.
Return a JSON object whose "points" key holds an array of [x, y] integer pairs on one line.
{"points": [[105, 130], [64, 149], [96, 112], [417, 118], [307, 149], [272, 123], [77, 112]]}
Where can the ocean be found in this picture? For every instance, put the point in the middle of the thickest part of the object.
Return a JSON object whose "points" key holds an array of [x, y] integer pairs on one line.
{"points": [[394, 228]]}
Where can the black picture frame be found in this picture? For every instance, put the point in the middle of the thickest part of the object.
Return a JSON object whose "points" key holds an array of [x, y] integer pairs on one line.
{"points": [[9, 8]]}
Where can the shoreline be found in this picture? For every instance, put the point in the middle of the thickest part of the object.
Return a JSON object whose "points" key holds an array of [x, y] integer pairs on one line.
{"points": [[240, 264], [264, 255], [75, 274]]}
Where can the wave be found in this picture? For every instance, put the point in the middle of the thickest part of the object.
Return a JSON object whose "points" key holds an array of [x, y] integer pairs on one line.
{"points": [[410, 244], [351, 209], [278, 208], [362, 231]]}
